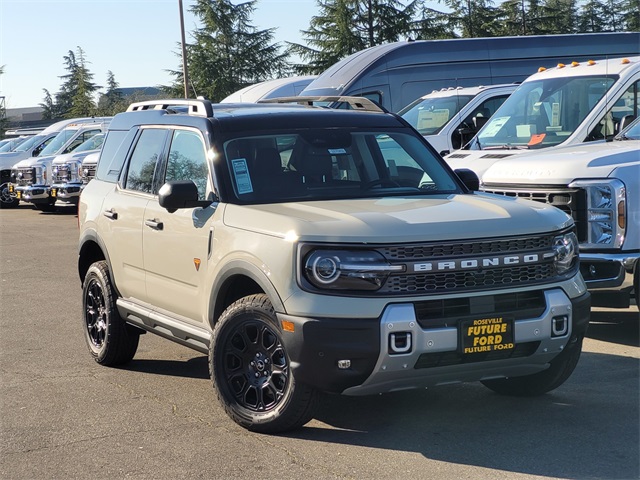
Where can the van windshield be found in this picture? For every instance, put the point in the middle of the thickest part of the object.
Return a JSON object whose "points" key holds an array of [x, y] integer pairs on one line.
{"points": [[429, 115], [543, 113], [58, 142], [328, 164]]}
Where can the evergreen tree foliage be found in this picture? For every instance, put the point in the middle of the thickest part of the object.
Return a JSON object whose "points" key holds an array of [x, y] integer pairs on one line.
{"points": [[560, 17], [228, 52], [112, 101], [344, 27], [591, 17], [630, 10], [474, 18]]}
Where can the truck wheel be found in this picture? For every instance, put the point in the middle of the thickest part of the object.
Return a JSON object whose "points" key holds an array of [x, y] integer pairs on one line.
{"points": [[6, 200], [251, 371], [559, 371], [110, 342]]}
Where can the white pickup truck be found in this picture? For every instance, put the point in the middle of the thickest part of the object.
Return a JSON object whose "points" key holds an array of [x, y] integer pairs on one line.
{"points": [[450, 117], [598, 184], [565, 105]]}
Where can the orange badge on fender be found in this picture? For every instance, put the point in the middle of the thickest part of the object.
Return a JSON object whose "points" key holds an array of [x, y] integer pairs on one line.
{"points": [[196, 262]]}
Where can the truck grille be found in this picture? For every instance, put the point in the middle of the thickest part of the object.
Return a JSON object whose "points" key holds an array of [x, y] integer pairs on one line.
{"points": [[62, 174], [571, 201], [26, 176]]}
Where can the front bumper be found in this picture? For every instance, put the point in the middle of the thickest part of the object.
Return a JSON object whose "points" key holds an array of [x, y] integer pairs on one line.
{"points": [[609, 276], [69, 192], [31, 193], [398, 351]]}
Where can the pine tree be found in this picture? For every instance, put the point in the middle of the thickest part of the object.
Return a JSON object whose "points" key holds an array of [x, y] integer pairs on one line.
{"points": [[82, 103], [630, 10], [344, 27], [560, 17], [591, 17], [474, 18], [112, 101], [228, 52]]}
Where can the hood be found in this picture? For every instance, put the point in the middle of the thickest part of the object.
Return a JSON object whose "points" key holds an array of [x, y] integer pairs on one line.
{"points": [[479, 160], [399, 219], [562, 165], [67, 157], [9, 159], [33, 161]]}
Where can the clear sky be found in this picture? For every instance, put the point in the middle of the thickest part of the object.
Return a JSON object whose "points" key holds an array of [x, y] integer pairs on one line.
{"points": [[136, 39]]}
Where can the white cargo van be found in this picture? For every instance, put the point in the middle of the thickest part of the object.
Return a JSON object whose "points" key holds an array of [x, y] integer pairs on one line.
{"points": [[598, 184], [450, 117], [279, 87], [564, 105]]}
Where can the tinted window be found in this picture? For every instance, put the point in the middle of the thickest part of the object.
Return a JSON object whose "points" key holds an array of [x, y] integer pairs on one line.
{"points": [[143, 161], [113, 154]]}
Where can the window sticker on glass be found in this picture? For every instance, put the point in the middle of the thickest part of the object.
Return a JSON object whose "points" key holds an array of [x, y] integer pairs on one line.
{"points": [[337, 151], [494, 126], [241, 174]]}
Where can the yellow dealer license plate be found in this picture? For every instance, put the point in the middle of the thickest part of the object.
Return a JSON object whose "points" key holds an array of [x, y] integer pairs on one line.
{"points": [[10, 188], [18, 195], [54, 192], [488, 334]]}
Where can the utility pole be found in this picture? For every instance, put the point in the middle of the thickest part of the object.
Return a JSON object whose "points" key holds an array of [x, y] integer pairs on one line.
{"points": [[185, 74]]}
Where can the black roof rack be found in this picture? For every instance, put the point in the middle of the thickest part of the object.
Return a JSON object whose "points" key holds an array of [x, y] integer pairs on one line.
{"points": [[356, 103], [199, 107]]}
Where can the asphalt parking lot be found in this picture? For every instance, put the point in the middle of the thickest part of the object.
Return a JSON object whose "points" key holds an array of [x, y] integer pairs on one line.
{"points": [[64, 416]]}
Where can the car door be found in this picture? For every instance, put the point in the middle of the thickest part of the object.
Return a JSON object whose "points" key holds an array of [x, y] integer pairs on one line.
{"points": [[123, 213], [177, 245]]}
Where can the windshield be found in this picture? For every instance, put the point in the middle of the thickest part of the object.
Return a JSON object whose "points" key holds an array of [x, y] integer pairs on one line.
{"points": [[94, 143], [10, 144], [327, 164], [632, 132], [27, 144], [543, 113], [429, 115], [58, 142]]}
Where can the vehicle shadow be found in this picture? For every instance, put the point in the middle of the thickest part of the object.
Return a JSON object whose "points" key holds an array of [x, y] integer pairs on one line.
{"points": [[554, 435], [621, 327], [195, 367]]}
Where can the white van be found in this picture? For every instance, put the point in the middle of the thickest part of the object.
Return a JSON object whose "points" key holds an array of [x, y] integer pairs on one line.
{"points": [[565, 105], [450, 117]]}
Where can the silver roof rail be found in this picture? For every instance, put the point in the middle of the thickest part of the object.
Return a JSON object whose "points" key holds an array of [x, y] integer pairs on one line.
{"points": [[199, 107], [356, 103]]}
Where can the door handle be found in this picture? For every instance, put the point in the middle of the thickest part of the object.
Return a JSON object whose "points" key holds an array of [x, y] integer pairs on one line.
{"points": [[111, 213], [155, 224]]}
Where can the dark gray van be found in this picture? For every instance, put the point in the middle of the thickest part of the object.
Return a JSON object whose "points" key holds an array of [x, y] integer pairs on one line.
{"points": [[395, 74]]}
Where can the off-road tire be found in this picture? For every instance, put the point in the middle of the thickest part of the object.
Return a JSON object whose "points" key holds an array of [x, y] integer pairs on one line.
{"points": [[251, 371], [6, 200], [559, 371], [111, 342]]}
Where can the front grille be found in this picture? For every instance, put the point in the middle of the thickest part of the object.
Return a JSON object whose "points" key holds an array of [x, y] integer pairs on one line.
{"points": [[571, 201], [449, 267], [26, 176], [471, 280], [448, 312], [62, 174], [422, 251], [431, 360]]}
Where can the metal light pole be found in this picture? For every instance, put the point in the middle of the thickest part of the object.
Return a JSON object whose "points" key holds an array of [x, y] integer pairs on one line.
{"points": [[185, 74]]}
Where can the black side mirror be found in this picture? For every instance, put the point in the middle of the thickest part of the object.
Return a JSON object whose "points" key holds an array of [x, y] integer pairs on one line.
{"points": [[178, 194], [469, 178]]}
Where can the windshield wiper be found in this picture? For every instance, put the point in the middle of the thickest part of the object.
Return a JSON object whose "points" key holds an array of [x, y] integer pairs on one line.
{"points": [[508, 147]]}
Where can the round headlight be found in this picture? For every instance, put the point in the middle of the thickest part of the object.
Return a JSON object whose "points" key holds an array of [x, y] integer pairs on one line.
{"points": [[325, 269]]}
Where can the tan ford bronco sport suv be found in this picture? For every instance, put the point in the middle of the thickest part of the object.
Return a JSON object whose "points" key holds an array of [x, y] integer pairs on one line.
{"points": [[308, 249]]}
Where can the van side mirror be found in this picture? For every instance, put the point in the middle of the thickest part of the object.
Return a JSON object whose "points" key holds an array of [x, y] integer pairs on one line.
{"points": [[469, 178], [178, 194]]}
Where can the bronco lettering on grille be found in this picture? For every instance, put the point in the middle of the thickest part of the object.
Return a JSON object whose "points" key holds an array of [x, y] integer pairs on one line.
{"points": [[476, 263]]}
